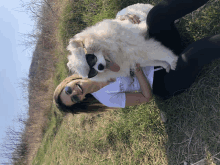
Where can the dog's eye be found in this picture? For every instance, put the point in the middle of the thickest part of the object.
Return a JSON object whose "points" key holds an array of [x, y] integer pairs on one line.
{"points": [[92, 73], [91, 59]]}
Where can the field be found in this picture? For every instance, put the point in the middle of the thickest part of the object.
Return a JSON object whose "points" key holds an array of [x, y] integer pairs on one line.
{"points": [[133, 135]]}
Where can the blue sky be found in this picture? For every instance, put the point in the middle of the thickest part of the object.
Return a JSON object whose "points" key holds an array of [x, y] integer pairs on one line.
{"points": [[14, 64]]}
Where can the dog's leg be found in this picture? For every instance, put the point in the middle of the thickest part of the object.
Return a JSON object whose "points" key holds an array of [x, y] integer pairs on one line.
{"points": [[171, 59], [174, 62], [164, 64], [166, 55]]}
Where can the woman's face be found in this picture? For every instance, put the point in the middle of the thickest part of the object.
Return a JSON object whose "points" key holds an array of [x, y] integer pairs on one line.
{"points": [[75, 91]]}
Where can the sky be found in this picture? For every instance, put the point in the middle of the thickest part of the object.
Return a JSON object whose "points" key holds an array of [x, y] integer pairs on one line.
{"points": [[14, 65]]}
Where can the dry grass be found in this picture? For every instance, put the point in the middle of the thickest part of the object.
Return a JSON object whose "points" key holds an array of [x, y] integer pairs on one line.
{"points": [[41, 84]]}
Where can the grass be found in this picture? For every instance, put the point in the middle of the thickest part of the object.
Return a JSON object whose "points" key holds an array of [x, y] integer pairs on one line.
{"points": [[136, 135]]}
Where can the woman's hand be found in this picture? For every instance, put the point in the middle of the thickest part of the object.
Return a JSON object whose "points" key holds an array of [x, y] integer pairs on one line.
{"points": [[131, 17], [138, 69], [144, 84]]}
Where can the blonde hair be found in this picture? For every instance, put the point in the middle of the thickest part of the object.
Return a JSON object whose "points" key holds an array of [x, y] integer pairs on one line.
{"points": [[89, 104]]}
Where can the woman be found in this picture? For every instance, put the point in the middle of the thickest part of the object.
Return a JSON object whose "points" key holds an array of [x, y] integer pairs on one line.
{"points": [[78, 94], [165, 85]]}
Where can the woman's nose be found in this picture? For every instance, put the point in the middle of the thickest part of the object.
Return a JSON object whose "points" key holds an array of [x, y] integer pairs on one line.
{"points": [[74, 92], [69, 91]]}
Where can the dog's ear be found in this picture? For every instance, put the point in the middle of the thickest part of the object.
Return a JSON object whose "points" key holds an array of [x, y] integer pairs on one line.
{"points": [[73, 44], [69, 65]]}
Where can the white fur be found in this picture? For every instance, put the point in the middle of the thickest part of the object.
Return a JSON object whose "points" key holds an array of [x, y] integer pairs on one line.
{"points": [[122, 42]]}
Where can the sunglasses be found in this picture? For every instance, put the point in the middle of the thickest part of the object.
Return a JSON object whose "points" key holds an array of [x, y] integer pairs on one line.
{"points": [[91, 60], [74, 98]]}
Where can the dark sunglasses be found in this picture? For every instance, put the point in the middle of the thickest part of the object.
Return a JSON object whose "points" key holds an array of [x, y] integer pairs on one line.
{"points": [[91, 60], [74, 98]]}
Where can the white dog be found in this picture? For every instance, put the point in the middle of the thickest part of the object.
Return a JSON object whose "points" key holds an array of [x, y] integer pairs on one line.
{"points": [[112, 47]]}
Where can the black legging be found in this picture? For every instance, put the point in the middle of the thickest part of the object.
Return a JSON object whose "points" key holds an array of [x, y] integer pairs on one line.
{"points": [[160, 21]]}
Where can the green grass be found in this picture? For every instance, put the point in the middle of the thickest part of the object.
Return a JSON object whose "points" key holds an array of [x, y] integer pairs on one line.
{"points": [[136, 135]]}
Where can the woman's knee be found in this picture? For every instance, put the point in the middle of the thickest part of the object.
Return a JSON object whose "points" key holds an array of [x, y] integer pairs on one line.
{"points": [[204, 50], [162, 29]]}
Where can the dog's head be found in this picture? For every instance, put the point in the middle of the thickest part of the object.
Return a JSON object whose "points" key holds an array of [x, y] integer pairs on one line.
{"points": [[89, 60]]}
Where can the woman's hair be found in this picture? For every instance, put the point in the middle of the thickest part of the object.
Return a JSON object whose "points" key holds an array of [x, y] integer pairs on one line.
{"points": [[88, 105]]}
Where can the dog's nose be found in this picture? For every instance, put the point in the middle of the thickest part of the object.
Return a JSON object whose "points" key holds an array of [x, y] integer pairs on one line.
{"points": [[101, 67]]}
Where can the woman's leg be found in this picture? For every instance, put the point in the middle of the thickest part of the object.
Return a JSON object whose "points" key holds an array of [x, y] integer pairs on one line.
{"points": [[160, 21], [189, 64]]}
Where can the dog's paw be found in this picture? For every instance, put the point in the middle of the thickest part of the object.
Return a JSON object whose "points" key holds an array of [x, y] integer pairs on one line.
{"points": [[167, 68], [174, 63]]}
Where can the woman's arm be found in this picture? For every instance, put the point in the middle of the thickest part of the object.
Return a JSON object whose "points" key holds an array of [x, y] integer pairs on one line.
{"points": [[135, 99], [140, 97], [145, 86]]}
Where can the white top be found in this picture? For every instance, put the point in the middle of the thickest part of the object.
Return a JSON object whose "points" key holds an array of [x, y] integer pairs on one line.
{"points": [[113, 94]]}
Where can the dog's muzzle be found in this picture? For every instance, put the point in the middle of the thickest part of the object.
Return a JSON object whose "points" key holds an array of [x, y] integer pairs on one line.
{"points": [[91, 60]]}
